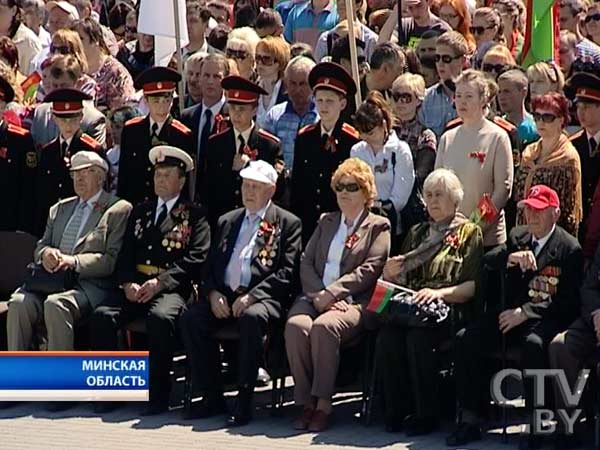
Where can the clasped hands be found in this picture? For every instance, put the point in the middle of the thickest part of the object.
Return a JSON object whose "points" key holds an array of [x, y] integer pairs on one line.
{"points": [[53, 260], [142, 294], [220, 308]]}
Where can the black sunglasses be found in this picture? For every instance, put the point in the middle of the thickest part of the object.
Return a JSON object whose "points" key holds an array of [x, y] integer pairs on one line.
{"points": [[266, 60], [595, 17], [546, 117], [446, 59], [402, 97], [497, 68], [60, 49], [350, 187], [236, 54], [479, 30]]}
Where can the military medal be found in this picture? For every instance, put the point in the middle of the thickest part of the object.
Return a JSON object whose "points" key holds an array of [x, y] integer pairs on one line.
{"points": [[553, 281], [165, 243]]}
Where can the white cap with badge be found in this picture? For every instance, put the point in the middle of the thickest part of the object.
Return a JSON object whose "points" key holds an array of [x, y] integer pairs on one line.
{"points": [[260, 171], [65, 6], [84, 159], [167, 155]]}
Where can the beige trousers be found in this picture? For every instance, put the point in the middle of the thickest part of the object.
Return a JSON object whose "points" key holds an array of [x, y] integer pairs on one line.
{"points": [[60, 313], [312, 342]]}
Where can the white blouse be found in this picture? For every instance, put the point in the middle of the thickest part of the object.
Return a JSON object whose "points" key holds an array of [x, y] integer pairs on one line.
{"points": [[262, 110], [393, 169], [336, 248]]}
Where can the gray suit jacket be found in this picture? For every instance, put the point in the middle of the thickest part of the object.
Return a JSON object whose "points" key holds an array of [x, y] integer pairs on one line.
{"points": [[361, 264], [98, 245], [44, 129]]}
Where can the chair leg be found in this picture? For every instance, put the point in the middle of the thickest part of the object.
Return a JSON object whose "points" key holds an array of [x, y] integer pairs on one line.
{"points": [[187, 387], [371, 395]]}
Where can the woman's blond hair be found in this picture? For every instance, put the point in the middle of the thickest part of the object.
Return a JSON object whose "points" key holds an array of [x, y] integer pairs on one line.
{"points": [[549, 71], [362, 173], [414, 82], [73, 41], [500, 51], [278, 49]]}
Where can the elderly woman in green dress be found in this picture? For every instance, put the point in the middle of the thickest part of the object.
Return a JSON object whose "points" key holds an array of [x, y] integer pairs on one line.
{"points": [[439, 260]]}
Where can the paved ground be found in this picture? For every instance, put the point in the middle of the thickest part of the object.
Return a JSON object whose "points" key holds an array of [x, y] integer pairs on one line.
{"points": [[29, 426]]}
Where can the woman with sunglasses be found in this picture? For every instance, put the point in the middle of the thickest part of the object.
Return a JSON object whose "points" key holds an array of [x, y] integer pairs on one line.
{"points": [[592, 23], [479, 152], [388, 157], [456, 14], [497, 60], [26, 41], [544, 77], [340, 266], [440, 260], [488, 30], [241, 47], [553, 161], [272, 57]]}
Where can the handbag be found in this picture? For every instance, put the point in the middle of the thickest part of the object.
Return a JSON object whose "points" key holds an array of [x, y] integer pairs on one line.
{"points": [[403, 311], [40, 281]]}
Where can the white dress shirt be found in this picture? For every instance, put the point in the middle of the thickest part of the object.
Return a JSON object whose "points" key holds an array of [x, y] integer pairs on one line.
{"points": [[245, 258], [214, 109], [541, 241], [245, 134], [262, 110], [336, 248], [160, 125], [161, 202]]}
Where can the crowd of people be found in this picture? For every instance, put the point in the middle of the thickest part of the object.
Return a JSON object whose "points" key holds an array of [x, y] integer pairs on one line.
{"points": [[274, 202]]}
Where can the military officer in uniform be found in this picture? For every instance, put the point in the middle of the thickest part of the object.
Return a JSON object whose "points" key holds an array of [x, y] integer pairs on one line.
{"points": [[544, 271], [53, 181], [18, 163], [584, 89], [252, 269], [320, 148], [142, 133], [164, 249], [231, 150]]}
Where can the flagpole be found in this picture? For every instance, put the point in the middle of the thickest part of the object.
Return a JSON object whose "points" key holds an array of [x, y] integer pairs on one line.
{"points": [[353, 51], [179, 54], [387, 284]]}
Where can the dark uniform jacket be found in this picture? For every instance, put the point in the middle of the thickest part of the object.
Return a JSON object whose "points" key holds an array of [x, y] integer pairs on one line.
{"points": [[136, 180], [590, 168], [191, 119], [18, 163], [315, 161], [275, 257], [552, 292], [221, 189], [177, 248], [54, 181]]}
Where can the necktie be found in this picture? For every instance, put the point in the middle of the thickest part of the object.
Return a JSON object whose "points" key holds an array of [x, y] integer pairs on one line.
{"points": [[242, 144], [162, 215], [154, 134], [63, 148], [593, 145], [71, 233], [535, 246], [237, 258], [205, 133]]}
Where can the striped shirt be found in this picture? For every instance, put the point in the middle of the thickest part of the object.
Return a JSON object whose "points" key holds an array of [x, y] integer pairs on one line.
{"points": [[303, 25]]}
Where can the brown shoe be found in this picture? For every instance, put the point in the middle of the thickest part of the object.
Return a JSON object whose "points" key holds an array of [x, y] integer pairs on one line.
{"points": [[319, 421], [301, 422]]}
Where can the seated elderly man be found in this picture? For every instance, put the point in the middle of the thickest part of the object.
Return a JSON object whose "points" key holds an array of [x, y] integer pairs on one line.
{"points": [[252, 267], [84, 235], [542, 292], [164, 250]]}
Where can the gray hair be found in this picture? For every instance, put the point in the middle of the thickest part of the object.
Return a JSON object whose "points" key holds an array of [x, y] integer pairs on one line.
{"points": [[448, 180], [38, 5], [299, 63], [197, 57]]}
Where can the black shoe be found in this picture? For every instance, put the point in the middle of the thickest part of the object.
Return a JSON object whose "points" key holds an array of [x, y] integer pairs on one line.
{"points": [[105, 407], [419, 426], [209, 406], [464, 434], [529, 441], [155, 407], [566, 441], [242, 411], [59, 406]]}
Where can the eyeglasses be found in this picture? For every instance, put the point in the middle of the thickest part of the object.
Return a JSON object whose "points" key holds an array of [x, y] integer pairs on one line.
{"points": [[497, 68], [350, 187], [545, 117], [265, 60], [402, 97], [479, 30], [446, 59], [61, 49], [594, 17], [236, 54]]}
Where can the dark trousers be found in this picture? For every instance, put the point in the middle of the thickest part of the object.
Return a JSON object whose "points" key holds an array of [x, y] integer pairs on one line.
{"points": [[478, 341], [198, 327], [406, 359], [161, 314]]}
